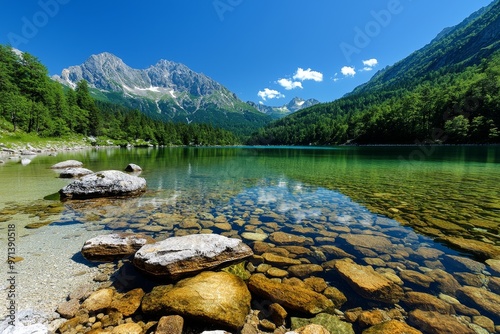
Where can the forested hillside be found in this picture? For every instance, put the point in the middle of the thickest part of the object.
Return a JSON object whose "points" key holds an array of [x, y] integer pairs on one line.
{"points": [[31, 102], [447, 92]]}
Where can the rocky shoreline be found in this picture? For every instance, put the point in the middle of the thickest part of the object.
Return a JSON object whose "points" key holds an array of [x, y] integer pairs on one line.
{"points": [[275, 289]]}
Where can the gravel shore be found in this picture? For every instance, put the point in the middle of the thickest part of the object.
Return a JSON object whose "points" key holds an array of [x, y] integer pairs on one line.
{"points": [[49, 271]]}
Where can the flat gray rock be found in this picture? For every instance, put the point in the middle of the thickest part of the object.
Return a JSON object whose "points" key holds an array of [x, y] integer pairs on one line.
{"points": [[104, 184], [114, 246], [189, 255], [67, 164]]}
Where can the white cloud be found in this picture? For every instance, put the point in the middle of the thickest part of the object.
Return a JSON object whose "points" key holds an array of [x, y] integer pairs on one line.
{"points": [[370, 62], [348, 71], [308, 74], [270, 94], [289, 84]]}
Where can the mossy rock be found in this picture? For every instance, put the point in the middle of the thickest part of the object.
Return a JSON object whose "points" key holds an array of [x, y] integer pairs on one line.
{"points": [[239, 270], [33, 226]]}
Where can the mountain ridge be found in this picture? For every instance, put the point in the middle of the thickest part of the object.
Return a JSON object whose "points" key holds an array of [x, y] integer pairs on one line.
{"points": [[168, 90], [291, 107]]}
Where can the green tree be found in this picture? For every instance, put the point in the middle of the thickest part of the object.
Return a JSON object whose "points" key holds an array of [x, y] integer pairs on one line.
{"points": [[457, 129]]}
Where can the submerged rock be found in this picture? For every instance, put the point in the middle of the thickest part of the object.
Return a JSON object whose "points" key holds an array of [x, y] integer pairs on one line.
{"points": [[427, 302], [293, 298], [330, 322], [282, 238], [368, 283], [70, 173], [437, 323], [219, 298], [482, 298], [311, 329], [114, 246], [478, 248], [104, 184], [392, 327], [188, 255], [172, 324], [67, 164]]}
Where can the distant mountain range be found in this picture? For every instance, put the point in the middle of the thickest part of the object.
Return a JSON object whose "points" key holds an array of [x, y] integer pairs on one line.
{"points": [[167, 90], [294, 105]]}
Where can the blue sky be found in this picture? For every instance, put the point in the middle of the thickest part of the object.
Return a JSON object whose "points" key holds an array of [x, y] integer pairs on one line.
{"points": [[267, 51]]}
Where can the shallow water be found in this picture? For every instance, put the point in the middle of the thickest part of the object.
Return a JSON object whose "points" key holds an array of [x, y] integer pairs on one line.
{"points": [[404, 194]]}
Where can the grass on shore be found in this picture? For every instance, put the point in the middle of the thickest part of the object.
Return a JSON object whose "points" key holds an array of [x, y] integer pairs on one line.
{"points": [[20, 140]]}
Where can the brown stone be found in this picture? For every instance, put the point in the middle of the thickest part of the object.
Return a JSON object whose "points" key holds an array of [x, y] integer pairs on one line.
{"points": [[414, 277], [464, 263], [336, 296], [260, 247], [392, 327], [372, 242], [446, 283], [99, 300], [427, 302], [484, 322], [170, 325], [130, 328], [129, 302], [494, 284], [282, 238], [493, 265], [335, 252], [113, 318], [430, 322], [278, 260], [278, 314], [68, 309], [368, 283], [216, 297], [275, 272], [305, 270], [470, 279], [298, 250], [482, 299], [68, 325], [151, 302], [290, 297], [372, 318], [478, 248], [316, 284], [312, 329]]}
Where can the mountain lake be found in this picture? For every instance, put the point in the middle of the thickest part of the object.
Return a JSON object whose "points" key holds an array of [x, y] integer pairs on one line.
{"points": [[436, 209]]}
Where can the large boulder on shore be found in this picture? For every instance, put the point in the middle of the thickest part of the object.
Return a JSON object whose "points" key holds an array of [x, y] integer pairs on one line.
{"points": [[188, 255], [215, 297], [104, 184], [114, 246]]}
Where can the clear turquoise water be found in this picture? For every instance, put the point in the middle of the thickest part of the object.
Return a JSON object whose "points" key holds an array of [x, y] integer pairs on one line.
{"points": [[396, 192]]}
